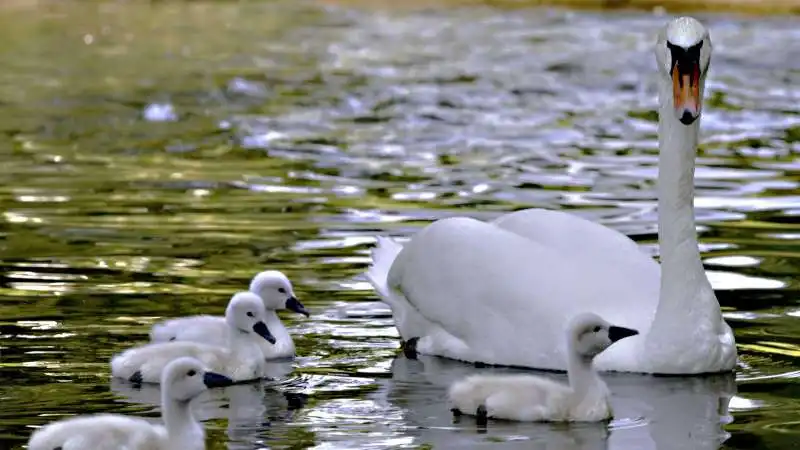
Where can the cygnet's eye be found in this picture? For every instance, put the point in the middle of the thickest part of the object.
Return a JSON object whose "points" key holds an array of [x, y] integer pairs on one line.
{"points": [[191, 373], [282, 290], [597, 329], [250, 314]]}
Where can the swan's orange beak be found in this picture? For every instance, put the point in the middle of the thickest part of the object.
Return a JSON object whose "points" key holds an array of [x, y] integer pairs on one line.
{"points": [[686, 90]]}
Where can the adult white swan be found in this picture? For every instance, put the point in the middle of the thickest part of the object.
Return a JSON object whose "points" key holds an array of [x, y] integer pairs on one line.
{"points": [[501, 292]]}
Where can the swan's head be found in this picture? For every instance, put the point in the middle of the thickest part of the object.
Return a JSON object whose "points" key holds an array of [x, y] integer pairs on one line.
{"points": [[246, 314], [186, 378], [589, 334], [276, 290], [683, 52]]}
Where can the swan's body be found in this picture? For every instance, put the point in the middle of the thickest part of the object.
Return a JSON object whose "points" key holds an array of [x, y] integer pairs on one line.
{"points": [[531, 398], [183, 379], [277, 293], [105, 432], [464, 289], [241, 359], [528, 398]]}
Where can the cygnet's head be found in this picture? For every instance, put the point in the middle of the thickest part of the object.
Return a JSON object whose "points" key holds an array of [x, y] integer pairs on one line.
{"points": [[276, 291], [589, 334], [683, 52], [185, 378], [246, 314]]}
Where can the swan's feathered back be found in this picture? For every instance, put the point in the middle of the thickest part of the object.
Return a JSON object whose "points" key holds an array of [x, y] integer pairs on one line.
{"points": [[490, 287], [99, 432]]}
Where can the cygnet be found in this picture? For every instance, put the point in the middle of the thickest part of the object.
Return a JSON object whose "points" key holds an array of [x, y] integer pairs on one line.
{"points": [[531, 398], [277, 293], [183, 379], [239, 359]]}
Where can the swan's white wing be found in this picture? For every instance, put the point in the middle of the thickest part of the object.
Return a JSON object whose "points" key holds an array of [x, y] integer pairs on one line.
{"points": [[508, 297], [210, 330], [99, 432], [581, 238]]}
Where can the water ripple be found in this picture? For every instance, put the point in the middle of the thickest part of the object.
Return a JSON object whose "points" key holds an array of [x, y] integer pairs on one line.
{"points": [[153, 167]]}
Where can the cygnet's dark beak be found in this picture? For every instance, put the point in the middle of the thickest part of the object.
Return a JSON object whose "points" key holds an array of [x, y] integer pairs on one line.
{"points": [[617, 333], [261, 329], [213, 380], [293, 304]]}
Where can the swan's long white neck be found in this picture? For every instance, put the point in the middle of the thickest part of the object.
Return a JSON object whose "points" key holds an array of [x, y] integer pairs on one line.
{"points": [[583, 378], [686, 300], [283, 340], [178, 418]]}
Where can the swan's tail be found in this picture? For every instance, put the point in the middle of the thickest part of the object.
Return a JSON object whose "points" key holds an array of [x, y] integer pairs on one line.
{"points": [[383, 255]]}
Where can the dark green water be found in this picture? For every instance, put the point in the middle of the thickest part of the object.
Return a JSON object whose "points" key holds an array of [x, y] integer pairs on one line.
{"points": [[157, 156]]}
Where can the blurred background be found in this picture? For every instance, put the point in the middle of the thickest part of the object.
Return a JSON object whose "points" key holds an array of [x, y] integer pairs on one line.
{"points": [[156, 155]]}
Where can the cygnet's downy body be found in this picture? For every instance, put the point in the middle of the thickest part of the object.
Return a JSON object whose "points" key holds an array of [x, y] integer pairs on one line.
{"points": [[277, 293], [183, 379], [531, 398], [240, 358]]}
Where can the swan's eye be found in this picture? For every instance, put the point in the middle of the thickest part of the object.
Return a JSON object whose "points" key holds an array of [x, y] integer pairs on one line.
{"points": [[282, 290], [191, 373], [250, 314], [597, 329]]}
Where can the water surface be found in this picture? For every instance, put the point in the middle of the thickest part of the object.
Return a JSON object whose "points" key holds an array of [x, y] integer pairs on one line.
{"points": [[158, 156]]}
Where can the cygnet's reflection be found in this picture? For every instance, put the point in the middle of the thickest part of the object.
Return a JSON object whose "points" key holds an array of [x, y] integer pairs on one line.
{"points": [[650, 413], [248, 407]]}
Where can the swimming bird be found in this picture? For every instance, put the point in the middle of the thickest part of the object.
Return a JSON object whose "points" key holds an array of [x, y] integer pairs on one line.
{"points": [[277, 293], [464, 289], [182, 380], [241, 359], [532, 398]]}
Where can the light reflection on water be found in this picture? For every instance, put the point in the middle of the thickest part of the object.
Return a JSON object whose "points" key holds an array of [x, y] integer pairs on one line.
{"points": [[150, 173]]}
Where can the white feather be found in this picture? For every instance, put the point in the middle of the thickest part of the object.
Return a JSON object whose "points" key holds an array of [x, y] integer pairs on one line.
{"points": [[213, 330], [100, 432], [383, 256], [467, 288], [115, 432], [241, 359], [205, 329], [534, 398], [527, 398], [149, 360]]}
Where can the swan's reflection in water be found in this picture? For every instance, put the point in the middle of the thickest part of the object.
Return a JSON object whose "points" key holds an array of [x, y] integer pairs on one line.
{"points": [[658, 413]]}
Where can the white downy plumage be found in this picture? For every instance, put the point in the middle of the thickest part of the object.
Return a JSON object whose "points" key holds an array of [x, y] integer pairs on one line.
{"points": [[534, 398], [183, 380], [241, 359], [275, 290]]}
